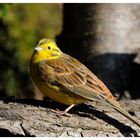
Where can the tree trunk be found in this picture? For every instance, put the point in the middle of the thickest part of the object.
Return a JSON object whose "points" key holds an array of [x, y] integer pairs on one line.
{"points": [[36, 118], [105, 37]]}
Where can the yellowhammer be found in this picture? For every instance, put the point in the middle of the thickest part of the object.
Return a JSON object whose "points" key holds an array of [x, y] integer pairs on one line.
{"points": [[66, 80]]}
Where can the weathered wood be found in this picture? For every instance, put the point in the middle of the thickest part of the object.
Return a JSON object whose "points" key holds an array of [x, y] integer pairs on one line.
{"points": [[35, 118]]}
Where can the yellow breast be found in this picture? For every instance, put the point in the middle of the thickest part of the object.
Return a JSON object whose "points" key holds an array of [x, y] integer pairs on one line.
{"points": [[60, 96]]}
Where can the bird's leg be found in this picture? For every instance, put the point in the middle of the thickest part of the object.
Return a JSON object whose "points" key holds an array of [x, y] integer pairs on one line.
{"points": [[68, 108], [65, 112]]}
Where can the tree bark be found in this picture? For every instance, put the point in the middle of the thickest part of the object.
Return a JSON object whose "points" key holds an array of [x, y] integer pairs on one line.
{"points": [[105, 37], [36, 118]]}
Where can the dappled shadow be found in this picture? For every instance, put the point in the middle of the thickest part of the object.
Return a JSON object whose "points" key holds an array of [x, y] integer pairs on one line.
{"points": [[91, 112]]}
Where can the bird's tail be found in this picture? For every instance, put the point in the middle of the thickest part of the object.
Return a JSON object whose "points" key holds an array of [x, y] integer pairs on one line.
{"points": [[118, 108]]}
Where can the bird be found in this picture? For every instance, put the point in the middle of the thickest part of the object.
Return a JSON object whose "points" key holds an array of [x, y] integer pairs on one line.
{"points": [[66, 80]]}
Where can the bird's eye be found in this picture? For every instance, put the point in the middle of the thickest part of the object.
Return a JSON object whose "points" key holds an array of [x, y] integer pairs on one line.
{"points": [[49, 47]]}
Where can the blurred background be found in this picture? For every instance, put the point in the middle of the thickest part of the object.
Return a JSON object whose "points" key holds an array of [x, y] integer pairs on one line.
{"points": [[21, 26], [105, 37]]}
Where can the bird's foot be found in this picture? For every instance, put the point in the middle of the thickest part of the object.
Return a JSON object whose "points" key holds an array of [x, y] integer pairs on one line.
{"points": [[61, 113]]}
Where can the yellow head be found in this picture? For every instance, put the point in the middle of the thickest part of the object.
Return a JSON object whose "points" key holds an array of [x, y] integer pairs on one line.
{"points": [[46, 50]]}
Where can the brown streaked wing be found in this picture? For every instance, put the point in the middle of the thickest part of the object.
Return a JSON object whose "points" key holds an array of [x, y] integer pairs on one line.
{"points": [[74, 76], [92, 80]]}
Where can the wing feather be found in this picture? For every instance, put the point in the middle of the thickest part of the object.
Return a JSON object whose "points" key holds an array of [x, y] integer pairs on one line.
{"points": [[71, 75]]}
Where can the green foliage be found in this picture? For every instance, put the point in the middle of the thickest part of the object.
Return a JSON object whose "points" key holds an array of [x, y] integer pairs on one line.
{"points": [[3, 10], [21, 26]]}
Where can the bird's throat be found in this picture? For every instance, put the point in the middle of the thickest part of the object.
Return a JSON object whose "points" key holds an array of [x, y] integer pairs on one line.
{"points": [[39, 56]]}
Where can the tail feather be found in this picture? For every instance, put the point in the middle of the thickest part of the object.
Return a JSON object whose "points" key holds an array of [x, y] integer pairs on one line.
{"points": [[118, 108]]}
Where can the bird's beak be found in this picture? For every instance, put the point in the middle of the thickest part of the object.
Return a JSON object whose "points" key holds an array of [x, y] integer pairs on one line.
{"points": [[38, 48]]}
